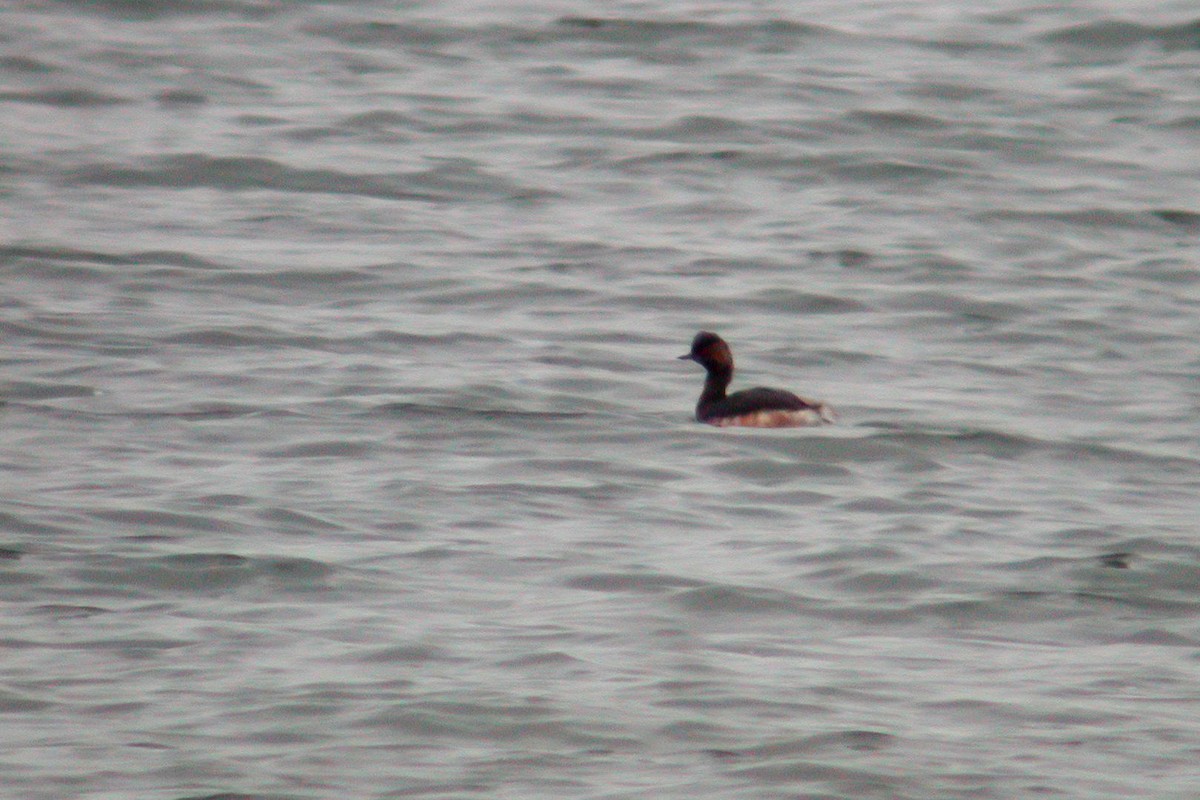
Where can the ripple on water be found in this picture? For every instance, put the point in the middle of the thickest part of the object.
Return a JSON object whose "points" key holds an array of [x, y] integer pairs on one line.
{"points": [[198, 170], [718, 599], [1116, 34], [202, 573]]}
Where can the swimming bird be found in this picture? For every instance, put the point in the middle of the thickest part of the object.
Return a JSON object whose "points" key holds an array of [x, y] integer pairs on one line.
{"points": [[755, 408]]}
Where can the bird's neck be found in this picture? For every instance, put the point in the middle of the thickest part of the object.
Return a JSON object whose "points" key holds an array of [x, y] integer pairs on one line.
{"points": [[716, 383]]}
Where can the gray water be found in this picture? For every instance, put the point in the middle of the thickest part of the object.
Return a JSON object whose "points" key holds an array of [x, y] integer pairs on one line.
{"points": [[345, 454]]}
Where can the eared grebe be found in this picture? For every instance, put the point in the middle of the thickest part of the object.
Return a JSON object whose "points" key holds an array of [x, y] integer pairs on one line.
{"points": [[754, 408]]}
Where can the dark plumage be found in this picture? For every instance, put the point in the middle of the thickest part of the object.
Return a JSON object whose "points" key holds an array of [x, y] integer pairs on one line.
{"points": [[759, 407]]}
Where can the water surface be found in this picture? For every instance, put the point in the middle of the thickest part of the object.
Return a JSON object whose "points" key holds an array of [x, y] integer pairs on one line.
{"points": [[345, 453]]}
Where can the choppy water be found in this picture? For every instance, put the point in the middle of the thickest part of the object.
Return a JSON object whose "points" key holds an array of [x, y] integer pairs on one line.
{"points": [[345, 453]]}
